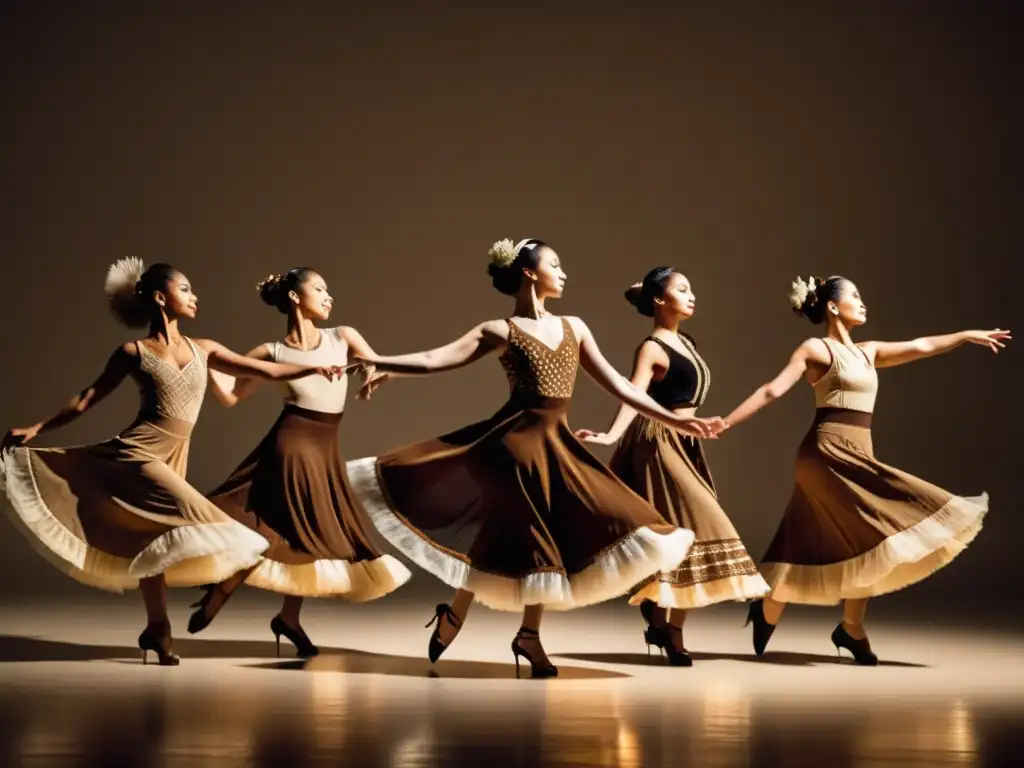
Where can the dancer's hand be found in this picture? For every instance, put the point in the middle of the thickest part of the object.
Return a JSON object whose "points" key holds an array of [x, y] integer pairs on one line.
{"points": [[706, 429], [598, 438], [18, 436], [370, 385], [991, 339], [329, 372]]}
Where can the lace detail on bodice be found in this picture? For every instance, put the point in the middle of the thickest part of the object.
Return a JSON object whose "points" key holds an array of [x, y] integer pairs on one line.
{"points": [[167, 391], [535, 368], [851, 382]]}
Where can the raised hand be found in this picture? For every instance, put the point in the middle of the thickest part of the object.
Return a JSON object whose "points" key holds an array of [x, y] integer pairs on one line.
{"points": [[991, 339]]}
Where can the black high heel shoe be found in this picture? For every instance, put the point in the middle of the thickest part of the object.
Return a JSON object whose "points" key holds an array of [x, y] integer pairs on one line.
{"points": [[150, 641], [296, 636], [763, 631], [678, 656], [442, 612], [536, 672], [653, 635], [199, 621], [861, 649]]}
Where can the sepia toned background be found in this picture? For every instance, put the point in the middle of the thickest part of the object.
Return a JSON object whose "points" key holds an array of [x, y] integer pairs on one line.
{"points": [[388, 144]]}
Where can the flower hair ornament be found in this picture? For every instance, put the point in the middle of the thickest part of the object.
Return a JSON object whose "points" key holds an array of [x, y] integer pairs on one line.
{"points": [[123, 278], [799, 291], [503, 253], [269, 280]]}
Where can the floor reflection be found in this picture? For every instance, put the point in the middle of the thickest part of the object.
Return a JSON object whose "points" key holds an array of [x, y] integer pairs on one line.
{"points": [[363, 721], [372, 699]]}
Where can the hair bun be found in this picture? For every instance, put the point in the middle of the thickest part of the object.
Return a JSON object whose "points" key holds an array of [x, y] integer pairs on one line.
{"points": [[633, 293], [269, 289]]}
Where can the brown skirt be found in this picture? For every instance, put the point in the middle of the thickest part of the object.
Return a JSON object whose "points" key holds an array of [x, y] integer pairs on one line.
{"points": [[857, 528], [670, 471], [516, 510], [113, 513], [294, 491]]}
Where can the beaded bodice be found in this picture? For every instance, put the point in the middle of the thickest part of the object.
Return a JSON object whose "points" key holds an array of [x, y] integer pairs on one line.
{"points": [[166, 390], [534, 368]]}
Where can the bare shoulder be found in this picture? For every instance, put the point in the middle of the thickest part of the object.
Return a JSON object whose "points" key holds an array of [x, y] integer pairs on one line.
{"points": [[209, 346], [346, 333], [127, 351], [578, 326], [814, 349], [868, 347]]}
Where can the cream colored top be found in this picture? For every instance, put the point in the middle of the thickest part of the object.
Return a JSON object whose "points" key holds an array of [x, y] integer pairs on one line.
{"points": [[315, 393], [850, 382], [168, 391]]}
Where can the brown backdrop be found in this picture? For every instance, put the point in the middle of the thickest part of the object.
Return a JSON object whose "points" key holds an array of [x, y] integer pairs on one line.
{"points": [[389, 146]]}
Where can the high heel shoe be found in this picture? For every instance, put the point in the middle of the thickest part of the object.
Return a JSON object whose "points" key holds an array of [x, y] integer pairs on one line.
{"points": [[656, 636], [677, 655], [861, 649], [442, 612], [150, 641], [304, 647], [537, 672], [199, 621], [763, 631]]}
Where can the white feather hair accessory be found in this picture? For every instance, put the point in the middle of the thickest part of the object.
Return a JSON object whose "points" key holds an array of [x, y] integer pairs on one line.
{"points": [[503, 252], [799, 291], [123, 276]]}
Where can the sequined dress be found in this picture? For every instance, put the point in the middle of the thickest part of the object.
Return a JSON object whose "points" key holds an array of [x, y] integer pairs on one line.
{"points": [[515, 508], [114, 512]]}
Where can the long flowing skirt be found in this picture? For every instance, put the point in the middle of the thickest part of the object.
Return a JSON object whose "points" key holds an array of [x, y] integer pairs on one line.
{"points": [[294, 491], [670, 471], [857, 528], [516, 510], [115, 512]]}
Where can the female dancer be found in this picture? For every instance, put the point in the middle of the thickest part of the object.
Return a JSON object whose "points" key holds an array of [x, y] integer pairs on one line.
{"points": [[514, 510], [292, 489], [854, 527], [120, 514], [670, 471]]}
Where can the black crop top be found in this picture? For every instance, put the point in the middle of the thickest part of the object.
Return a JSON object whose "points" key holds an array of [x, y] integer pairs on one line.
{"points": [[685, 383]]}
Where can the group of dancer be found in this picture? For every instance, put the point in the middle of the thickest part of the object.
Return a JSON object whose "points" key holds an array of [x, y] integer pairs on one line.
{"points": [[513, 511]]}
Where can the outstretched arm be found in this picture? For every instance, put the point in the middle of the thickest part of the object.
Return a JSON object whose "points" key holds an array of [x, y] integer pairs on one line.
{"points": [[231, 390], [360, 348], [118, 366], [220, 358], [479, 342], [601, 371], [887, 354], [812, 350], [649, 357]]}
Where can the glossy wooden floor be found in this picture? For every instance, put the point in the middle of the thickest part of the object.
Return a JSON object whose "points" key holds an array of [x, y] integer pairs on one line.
{"points": [[74, 692]]}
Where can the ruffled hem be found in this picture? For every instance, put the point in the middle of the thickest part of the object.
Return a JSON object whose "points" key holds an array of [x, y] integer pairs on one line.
{"points": [[189, 555], [356, 582], [735, 588], [901, 560], [633, 559]]}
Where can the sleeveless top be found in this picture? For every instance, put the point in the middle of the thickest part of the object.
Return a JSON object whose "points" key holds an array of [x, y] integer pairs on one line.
{"points": [[534, 368], [687, 380], [851, 381], [315, 393], [169, 392]]}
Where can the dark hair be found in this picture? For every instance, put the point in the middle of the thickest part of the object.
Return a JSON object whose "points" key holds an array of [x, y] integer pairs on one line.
{"points": [[509, 279], [643, 294], [816, 301], [133, 305], [274, 290]]}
